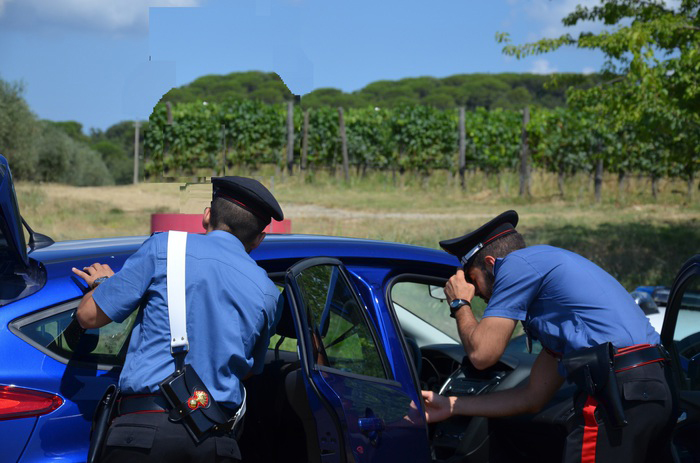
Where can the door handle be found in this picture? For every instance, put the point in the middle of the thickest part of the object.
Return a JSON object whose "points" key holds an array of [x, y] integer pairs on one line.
{"points": [[371, 424]]}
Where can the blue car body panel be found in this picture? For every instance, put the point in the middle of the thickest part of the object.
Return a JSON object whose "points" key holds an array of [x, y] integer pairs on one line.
{"points": [[13, 437], [63, 434]]}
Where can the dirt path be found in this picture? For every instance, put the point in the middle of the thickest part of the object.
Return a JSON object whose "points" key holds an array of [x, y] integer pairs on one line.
{"points": [[171, 197]]}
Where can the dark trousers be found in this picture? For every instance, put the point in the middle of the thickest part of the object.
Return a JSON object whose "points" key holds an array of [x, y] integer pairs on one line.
{"points": [[649, 406], [151, 437]]}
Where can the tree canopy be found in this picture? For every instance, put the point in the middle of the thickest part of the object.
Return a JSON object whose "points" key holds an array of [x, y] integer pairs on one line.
{"points": [[650, 80], [508, 91]]}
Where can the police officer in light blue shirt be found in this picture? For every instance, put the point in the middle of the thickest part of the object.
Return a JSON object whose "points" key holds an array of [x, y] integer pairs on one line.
{"points": [[576, 310], [231, 313]]}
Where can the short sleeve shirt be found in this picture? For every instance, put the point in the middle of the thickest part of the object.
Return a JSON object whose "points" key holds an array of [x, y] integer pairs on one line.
{"points": [[566, 301], [231, 313]]}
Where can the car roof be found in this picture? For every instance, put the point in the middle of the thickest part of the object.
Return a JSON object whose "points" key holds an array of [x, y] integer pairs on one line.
{"points": [[274, 247]]}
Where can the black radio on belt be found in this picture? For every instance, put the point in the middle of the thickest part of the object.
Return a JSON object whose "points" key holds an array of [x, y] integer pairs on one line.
{"points": [[191, 403]]}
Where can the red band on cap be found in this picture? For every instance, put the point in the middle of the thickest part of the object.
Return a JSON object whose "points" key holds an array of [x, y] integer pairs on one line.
{"points": [[498, 235]]}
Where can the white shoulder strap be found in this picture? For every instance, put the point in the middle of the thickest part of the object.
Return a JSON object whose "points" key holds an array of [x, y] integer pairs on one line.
{"points": [[177, 245]]}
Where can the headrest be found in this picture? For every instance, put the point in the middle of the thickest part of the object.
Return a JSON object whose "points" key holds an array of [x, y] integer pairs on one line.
{"points": [[285, 327]]}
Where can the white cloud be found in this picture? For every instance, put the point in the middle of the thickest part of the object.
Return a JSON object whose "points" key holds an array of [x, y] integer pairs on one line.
{"points": [[588, 70], [548, 15], [107, 15], [542, 66]]}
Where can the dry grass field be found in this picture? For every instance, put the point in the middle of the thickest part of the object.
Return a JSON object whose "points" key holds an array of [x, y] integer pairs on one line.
{"points": [[641, 241]]}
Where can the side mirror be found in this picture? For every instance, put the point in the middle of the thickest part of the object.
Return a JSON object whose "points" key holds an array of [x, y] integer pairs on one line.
{"points": [[437, 292]]}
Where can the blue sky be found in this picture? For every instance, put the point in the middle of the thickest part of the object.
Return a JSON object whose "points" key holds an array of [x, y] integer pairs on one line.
{"points": [[102, 61]]}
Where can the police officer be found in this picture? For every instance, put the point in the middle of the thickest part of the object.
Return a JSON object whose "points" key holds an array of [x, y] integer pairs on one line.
{"points": [[231, 312], [572, 307]]}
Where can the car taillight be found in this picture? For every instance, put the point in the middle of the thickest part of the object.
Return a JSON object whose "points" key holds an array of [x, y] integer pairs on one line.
{"points": [[17, 402]]}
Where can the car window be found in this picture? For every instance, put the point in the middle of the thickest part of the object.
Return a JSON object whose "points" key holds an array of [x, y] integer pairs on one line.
{"points": [[427, 305], [56, 332], [428, 302], [341, 336], [686, 336]]}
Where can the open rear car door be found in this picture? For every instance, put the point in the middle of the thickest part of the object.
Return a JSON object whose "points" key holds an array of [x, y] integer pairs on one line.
{"points": [[361, 412], [681, 336]]}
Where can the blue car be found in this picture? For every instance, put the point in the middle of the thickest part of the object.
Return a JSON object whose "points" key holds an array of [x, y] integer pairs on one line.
{"points": [[365, 327]]}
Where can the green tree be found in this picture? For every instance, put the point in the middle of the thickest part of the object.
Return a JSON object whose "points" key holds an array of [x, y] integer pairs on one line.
{"points": [[73, 129], [652, 81], [18, 131]]}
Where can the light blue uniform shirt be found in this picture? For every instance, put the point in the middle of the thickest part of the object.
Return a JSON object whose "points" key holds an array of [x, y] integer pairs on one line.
{"points": [[566, 301], [231, 313]]}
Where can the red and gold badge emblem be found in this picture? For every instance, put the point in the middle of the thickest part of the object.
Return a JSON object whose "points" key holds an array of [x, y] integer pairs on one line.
{"points": [[198, 399]]}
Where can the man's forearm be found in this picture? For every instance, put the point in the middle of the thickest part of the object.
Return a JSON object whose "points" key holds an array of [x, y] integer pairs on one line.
{"points": [[543, 384], [485, 341], [495, 405], [89, 314], [466, 324]]}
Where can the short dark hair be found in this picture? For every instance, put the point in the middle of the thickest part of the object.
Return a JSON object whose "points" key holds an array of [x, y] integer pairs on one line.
{"points": [[232, 218], [498, 248]]}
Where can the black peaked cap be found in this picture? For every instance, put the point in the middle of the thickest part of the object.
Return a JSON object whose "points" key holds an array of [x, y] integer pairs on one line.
{"points": [[466, 247], [249, 194]]}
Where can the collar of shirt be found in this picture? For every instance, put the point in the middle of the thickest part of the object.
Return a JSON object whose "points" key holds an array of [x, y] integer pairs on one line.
{"points": [[229, 237], [497, 265]]}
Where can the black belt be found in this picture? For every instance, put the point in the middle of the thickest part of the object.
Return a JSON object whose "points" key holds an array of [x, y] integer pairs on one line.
{"points": [[142, 403], [148, 403], [637, 356]]}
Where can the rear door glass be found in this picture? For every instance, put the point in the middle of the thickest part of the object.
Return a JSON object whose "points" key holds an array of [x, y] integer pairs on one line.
{"points": [[57, 333]]}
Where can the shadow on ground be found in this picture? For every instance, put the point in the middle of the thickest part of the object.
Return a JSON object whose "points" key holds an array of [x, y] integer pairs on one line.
{"points": [[646, 253]]}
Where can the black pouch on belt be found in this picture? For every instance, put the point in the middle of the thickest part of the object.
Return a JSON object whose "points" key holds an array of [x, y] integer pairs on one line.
{"points": [[191, 403], [593, 371], [104, 413]]}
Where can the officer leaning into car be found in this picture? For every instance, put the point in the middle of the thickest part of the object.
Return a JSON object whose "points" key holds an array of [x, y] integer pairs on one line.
{"points": [[592, 333], [231, 310]]}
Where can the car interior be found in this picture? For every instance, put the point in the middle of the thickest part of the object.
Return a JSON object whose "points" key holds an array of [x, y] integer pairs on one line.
{"points": [[279, 411], [278, 408]]}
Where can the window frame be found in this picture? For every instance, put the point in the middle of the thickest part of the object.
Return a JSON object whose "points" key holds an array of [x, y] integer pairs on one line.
{"points": [[15, 326]]}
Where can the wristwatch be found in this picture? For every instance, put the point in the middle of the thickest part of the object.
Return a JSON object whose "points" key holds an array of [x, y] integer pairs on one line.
{"points": [[457, 304], [98, 281]]}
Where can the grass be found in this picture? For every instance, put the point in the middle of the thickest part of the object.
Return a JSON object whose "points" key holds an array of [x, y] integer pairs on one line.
{"points": [[639, 239]]}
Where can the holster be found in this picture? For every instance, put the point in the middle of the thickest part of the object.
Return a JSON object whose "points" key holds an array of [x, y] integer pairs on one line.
{"points": [[191, 403], [593, 371], [104, 413]]}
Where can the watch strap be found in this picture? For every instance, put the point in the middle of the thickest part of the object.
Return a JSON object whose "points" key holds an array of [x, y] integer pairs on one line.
{"points": [[457, 304]]}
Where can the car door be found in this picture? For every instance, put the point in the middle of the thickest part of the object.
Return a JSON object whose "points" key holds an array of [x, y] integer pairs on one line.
{"points": [[361, 411], [681, 336]]}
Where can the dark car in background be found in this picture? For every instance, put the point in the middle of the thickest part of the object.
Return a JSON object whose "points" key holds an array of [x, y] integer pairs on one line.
{"points": [[364, 329]]}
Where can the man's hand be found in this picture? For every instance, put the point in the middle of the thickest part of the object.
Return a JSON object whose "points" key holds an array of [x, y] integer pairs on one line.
{"points": [[437, 407], [458, 288], [93, 272]]}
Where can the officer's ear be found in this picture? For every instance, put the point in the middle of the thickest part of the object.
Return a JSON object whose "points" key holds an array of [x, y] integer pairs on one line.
{"points": [[256, 242], [206, 218], [490, 261]]}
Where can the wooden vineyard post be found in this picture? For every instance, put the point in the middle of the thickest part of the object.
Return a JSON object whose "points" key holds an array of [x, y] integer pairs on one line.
{"points": [[290, 136], [137, 136], [462, 147], [305, 140], [223, 149], [598, 180], [344, 144], [525, 156]]}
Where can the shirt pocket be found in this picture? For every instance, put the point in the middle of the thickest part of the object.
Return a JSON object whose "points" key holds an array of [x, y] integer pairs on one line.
{"points": [[131, 435]]}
